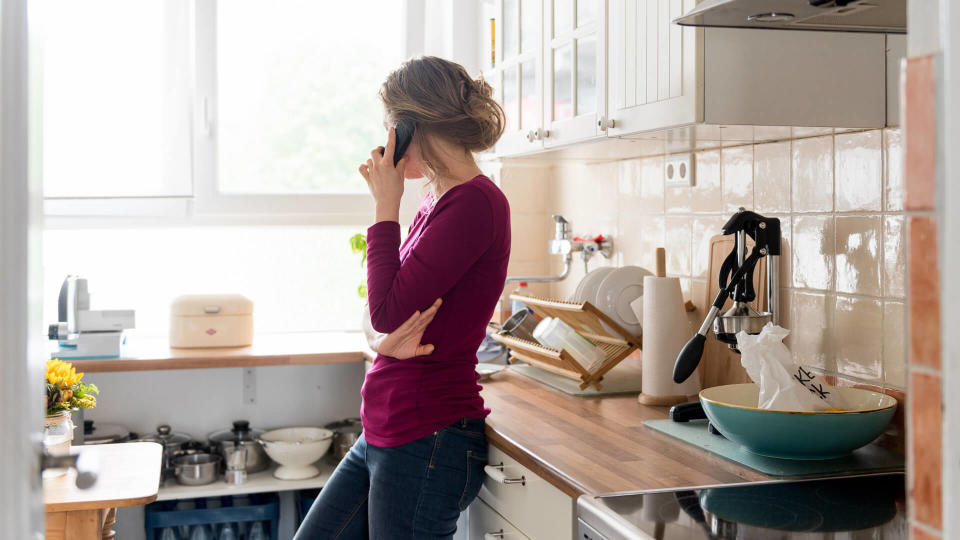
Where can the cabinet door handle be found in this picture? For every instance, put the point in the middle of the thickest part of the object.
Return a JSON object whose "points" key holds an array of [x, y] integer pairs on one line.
{"points": [[605, 124], [531, 135], [499, 535], [495, 472]]}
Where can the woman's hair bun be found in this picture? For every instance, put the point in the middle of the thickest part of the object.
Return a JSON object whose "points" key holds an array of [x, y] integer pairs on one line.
{"points": [[444, 101], [485, 112]]}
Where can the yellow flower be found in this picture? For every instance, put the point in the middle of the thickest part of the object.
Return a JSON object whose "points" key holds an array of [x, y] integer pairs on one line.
{"points": [[62, 374], [87, 402]]}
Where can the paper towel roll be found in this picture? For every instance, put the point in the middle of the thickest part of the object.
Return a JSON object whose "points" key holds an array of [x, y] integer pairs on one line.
{"points": [[665, 331]]}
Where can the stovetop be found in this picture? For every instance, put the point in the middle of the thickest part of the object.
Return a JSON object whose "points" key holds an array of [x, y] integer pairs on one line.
{"points": [[874, 506]]}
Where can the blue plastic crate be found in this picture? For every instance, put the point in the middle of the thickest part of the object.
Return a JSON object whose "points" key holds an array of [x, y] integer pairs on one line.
{"points": [[263, 507]]}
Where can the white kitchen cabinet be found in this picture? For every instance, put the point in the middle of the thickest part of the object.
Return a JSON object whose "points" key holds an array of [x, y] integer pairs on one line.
{"points": [[518, 74], [577, 70], [653, 66], [528, 503], [487, 524], [663, 75], [574, 70]]}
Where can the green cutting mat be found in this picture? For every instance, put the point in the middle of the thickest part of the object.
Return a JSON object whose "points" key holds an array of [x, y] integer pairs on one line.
{"points": [[870, 458], [619, 380]]}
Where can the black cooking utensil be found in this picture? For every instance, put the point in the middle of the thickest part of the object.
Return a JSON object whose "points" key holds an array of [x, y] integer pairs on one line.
{"points": [[686, 412]]}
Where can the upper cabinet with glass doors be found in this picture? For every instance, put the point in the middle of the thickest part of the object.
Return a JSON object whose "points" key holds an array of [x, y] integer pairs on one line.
{"points": [[574, 59], [517, 74]]}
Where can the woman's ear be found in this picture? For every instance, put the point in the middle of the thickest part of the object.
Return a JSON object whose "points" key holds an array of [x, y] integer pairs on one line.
{"points": [[413, 168]]}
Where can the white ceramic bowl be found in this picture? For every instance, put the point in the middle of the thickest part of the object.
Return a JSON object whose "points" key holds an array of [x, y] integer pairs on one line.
{"points": [[296, 449]]}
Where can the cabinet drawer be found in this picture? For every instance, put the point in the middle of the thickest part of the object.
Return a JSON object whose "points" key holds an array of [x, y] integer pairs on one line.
{"points": [[539, 510], [485, 524]]}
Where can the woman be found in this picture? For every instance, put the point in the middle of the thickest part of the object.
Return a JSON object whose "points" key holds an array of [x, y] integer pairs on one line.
{"points": [[420, 460]]}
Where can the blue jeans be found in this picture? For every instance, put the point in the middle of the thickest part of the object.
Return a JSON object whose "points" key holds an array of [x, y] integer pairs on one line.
{"points": [[414, 491]]}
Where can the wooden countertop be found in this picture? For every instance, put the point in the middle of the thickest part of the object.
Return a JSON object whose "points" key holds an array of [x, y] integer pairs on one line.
{"points": [[149, 354], [128, 474], [595, 445], [580, 445]]}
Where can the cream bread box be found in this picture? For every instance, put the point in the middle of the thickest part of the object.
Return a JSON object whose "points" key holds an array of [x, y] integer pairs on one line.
{"points": [[211, 320]]}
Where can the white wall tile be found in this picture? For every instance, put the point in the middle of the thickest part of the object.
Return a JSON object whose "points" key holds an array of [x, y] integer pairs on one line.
{"points": [[839, 196], [859, 171], [737, 178], [771, 176], [812, 175]]}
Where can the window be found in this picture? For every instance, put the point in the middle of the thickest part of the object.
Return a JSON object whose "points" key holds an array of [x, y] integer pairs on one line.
{"points": [[300, 278], [116, 98], [242, 106], [196, 146], [297, 84]]}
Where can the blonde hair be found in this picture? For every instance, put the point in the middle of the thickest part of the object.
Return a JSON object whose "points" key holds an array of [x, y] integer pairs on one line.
{"points": [[443, 101]]}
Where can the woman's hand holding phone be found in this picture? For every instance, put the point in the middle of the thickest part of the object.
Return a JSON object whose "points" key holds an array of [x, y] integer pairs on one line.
{"points": [[385, 180]]}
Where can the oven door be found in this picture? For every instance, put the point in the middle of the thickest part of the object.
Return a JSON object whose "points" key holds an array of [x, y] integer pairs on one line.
{"points": [[586, 532]]}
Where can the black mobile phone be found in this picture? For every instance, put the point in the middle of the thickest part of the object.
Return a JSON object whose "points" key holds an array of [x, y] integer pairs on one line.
{"points": [[404, 129]]}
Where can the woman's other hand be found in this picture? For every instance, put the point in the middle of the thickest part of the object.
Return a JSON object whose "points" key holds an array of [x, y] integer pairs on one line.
{"points": [[384, 180], [404, 342]]}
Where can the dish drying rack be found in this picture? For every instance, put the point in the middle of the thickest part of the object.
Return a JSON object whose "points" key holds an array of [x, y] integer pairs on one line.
{"points": [[615, 342]]}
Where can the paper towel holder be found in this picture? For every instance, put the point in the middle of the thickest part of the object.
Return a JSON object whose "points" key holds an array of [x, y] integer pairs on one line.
{"points": [[668, 400]]}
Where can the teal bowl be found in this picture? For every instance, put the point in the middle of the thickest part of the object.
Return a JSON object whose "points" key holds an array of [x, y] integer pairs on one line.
{"points": [[732, 409]]}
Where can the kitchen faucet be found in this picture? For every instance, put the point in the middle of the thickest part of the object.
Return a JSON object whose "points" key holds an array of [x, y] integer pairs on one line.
{"points": [[563, 244]]}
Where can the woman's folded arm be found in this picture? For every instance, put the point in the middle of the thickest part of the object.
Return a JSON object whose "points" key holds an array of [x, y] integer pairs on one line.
{"points": [[459, 231]]}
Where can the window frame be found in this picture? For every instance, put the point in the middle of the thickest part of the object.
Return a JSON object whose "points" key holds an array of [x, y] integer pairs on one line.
{"points": [[207, 203]]}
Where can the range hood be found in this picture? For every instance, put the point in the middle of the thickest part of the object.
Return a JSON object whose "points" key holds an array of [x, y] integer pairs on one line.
{"points": [[879, 16]]}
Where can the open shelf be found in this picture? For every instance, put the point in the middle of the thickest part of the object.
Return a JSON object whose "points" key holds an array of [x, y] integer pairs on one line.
{"points": [[154, 353], [261, 482]]}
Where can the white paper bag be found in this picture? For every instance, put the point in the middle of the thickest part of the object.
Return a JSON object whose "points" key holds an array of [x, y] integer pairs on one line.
{"points": [[783, 384]]}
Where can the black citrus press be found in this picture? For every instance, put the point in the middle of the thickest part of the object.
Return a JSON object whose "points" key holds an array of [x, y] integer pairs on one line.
{"points": [[736, 282]]}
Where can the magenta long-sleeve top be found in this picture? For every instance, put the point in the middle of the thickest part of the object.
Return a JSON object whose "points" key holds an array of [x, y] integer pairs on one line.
{"points": [[458, 251]]}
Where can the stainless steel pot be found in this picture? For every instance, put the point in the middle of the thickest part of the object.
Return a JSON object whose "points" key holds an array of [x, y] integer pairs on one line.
{"points": [[171, 442], [345, 434], [241, 435], [520, 325], [104, 433], [196, 469]]}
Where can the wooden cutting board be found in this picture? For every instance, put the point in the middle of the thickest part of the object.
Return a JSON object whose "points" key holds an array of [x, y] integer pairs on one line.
{"points": [[720, 365]]}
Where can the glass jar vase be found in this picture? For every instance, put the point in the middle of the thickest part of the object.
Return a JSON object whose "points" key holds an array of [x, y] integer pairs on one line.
{"points": [[57, 436]]}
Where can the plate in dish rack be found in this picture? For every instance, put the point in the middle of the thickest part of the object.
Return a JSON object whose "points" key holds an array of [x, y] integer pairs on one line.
{"points": [[617, 291], [587, 289]]}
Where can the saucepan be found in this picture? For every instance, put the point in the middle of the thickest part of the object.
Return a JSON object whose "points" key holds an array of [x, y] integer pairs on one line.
{"points": [[520, 325], [345, 434], [196, 469]]}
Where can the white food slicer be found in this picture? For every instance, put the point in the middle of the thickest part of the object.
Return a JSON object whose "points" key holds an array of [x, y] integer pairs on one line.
{"points": [[85, 333]]}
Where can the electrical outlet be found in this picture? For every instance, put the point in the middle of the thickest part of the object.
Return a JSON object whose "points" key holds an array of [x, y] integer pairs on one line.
{"points": [[679, 170]]}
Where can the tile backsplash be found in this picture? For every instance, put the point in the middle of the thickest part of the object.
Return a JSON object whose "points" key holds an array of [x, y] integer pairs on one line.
{"points": [[839, 196]]}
